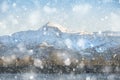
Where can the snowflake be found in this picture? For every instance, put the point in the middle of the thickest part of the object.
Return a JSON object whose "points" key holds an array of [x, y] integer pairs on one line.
{"points": [[67, 62], [68, 42]]}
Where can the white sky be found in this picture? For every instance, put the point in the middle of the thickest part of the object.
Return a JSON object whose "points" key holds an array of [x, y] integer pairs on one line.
{"points": [[77, 16]]}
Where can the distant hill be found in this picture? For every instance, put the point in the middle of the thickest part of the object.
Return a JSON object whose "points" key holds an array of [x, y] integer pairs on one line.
{"points": [[86, 44]]}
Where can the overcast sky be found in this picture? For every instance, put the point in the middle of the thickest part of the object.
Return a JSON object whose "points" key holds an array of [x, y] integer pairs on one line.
{"points": [[76, 15]]}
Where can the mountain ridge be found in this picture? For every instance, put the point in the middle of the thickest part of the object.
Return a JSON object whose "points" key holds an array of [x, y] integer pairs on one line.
{"points": [[60, 39]]}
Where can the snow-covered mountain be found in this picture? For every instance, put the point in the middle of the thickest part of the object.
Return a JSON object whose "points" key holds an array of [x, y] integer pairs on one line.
{"points": [[56, 36]]}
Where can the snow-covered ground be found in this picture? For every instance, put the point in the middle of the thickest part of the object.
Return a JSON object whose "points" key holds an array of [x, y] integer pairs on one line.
{"points": [[54, 35], [33, 76]]}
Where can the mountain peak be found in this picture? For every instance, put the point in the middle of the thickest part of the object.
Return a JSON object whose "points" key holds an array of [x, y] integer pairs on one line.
{"points": [[55, 25]]}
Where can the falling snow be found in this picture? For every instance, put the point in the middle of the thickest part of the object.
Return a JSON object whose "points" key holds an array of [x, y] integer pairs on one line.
{"points": [[81, 43], [67, 62], [86, 45], [38, 63], [68, 42]]}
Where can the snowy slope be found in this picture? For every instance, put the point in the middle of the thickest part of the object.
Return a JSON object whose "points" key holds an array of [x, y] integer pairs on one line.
{"points": [[60, 38]]}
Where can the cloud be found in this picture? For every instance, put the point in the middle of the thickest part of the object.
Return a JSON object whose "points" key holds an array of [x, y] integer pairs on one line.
{"points": [[115, 21], [49, 10], [8, 24], [12, 20], [4, 6], [81, 16], [82, 9], [2, 25], [107, 1], [34, 17]]}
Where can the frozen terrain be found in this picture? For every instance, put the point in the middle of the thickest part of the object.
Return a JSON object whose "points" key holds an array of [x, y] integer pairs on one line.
{"points": [[53, 45], [56, 36]]}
